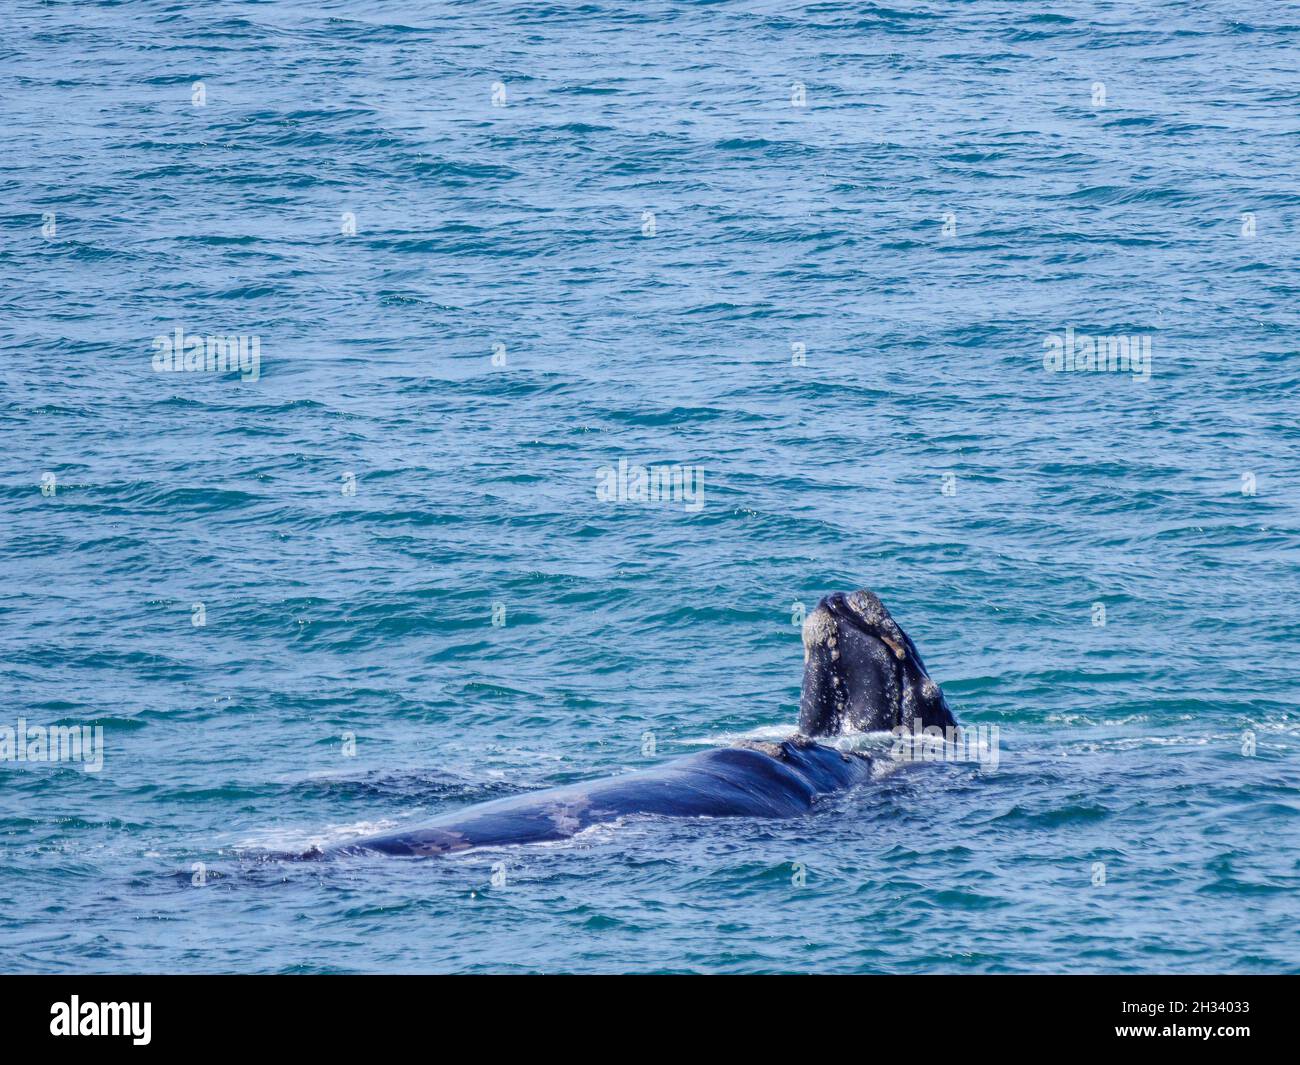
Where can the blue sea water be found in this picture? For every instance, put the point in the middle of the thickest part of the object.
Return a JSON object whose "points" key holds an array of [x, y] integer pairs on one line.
{"points": [[652, 213]]}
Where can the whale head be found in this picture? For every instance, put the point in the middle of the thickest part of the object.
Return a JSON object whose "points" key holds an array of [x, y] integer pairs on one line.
{"points": [[862, 672]]}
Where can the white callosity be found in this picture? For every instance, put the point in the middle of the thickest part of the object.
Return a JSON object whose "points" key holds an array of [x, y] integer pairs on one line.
{"points": [[871, 610], [821, 651], [818, 629]]}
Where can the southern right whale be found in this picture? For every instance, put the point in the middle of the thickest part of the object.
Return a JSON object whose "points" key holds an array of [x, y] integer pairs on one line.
{"points": [[861, 673]]}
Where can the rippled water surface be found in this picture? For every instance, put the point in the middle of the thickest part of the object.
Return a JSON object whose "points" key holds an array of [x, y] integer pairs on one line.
{"points": [[666, 209]]}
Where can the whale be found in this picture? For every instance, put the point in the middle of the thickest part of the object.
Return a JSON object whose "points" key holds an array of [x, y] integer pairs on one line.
{"points": [[862, 673]]}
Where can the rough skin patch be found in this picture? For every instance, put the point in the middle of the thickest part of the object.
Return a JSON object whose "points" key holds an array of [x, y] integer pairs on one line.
{"points": [[871, 610], [446, 842], [565, 816], [868, 606], [897, 648], [818, 629], [772, 750]]}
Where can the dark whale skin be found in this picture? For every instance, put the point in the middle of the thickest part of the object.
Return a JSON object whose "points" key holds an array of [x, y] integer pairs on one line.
{"points": [[754, 780], [861, 673]]}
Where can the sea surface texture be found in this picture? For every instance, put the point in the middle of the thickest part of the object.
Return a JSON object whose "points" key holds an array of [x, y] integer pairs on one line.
{"points": [[844, 264]]}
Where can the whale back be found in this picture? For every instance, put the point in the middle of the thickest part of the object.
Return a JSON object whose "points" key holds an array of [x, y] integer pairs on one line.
{"points": [[753, 780]]}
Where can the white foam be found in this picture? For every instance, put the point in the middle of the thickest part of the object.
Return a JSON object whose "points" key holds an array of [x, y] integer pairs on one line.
{"points": [[280, 840], [767, 733]]}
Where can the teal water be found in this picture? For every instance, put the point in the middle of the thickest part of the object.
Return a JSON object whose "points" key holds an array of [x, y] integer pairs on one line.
{"points": [[952, 193]]}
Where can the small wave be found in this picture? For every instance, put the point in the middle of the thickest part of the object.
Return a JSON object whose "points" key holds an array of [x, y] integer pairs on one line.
{"points": [[298, 841]]}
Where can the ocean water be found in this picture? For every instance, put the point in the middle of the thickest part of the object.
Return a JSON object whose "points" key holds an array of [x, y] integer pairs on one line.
{"points": [[819, 252]]}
